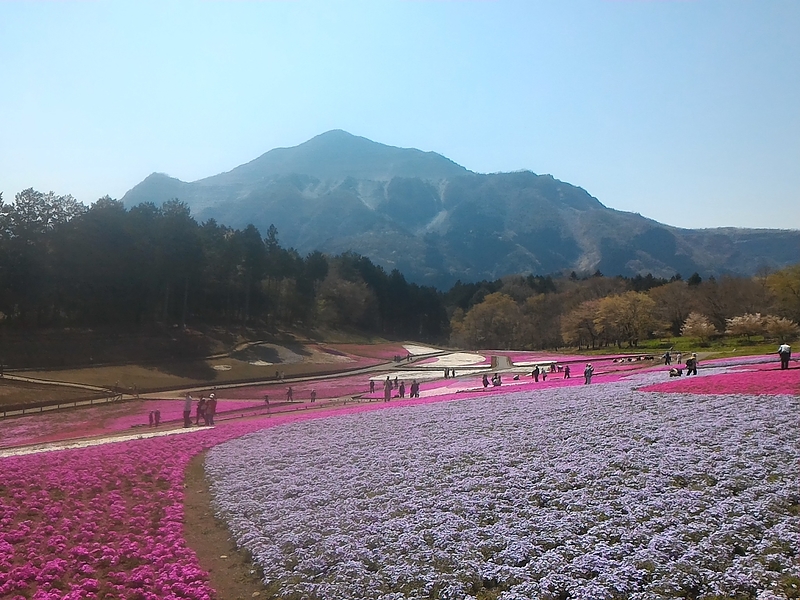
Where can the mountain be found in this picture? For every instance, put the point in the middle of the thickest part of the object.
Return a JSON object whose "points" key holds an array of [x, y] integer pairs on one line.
{"points": [[437, 222]]}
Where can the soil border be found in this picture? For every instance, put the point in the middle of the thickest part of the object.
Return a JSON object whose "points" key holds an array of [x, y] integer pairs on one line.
{"points": [[230, 571]]}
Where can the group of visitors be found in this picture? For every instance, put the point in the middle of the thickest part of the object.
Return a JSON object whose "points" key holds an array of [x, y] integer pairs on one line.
{"points": [[497, 380], [449, 373], [400, 386], [205, 410], [667, 356], [154, 418], [537, 372], [690, 365]]}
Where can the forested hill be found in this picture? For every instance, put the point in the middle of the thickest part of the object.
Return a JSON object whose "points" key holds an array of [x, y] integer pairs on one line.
{"points": [[437, 222], [64, 265]]}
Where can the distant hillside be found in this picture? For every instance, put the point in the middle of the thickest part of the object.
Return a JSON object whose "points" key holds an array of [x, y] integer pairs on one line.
{"points": [[437, 222]]}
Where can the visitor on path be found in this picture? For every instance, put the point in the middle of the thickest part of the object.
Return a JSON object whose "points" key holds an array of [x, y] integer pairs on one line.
{"points": [[446, 373], [200, 412], [396, 384], [691, 365], [587, 374], [680, 356], [402, 389], [290, 394], [785, 354], [544, 374], [313, 396], [414, 389], [566, 372], [535, 373], [187, 411], [371, 386], [485, 381], [667, 358], [151, 418], [211, 409], [387, 389], [158, 417]]}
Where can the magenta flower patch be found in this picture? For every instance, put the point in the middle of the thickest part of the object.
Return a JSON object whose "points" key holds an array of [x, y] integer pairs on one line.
{"points": [[761, 379]]}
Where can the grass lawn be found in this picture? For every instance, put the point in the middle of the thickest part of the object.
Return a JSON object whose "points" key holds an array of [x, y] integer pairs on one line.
{"points": [[19, 392], [716, 348]]}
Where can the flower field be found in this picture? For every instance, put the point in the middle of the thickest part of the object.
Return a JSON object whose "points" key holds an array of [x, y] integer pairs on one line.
{"points": [[583, 492], [102, 419], [754, 379], [549, 490]]}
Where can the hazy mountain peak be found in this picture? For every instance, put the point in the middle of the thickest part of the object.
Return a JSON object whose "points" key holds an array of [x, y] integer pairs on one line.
{"points": [[336, 155], [436, 221]]}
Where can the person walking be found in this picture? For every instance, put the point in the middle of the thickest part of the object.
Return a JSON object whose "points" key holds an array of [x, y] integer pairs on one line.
{"points": [[371, 386], [485, 381], [535, 373], [587, 374], [785, 354], [667, 358], [187, 411], [402, 389], [691, 365], [211, 409], [566, 372], [200, 411], [387, 389], [313, 396], [289, 394]]}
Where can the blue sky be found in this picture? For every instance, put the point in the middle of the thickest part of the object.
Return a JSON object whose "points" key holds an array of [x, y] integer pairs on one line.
{"points": [[686, 112]]}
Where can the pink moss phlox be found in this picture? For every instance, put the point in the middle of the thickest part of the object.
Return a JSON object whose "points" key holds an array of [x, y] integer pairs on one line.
{"points": [[754, 381]]}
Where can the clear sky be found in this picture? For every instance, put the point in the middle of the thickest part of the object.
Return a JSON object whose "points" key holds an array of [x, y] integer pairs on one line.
{"points": [[687, 112]]}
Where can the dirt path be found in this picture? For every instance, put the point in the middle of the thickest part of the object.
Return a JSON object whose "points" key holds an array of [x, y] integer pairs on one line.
{"points": [[230, 571]]}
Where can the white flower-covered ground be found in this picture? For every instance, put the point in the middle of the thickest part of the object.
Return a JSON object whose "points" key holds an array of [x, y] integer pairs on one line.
{"points": [[590, 492]]}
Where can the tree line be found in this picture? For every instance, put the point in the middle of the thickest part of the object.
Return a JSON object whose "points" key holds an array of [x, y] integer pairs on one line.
{"points": [[597, 311], [63, 264]]}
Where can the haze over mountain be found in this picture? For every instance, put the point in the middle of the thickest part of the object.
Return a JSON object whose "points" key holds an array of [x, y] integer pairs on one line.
{"points": [[437, 222]]}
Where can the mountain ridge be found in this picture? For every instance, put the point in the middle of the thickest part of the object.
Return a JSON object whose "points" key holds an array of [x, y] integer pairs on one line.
{"points": [[437, 222]]}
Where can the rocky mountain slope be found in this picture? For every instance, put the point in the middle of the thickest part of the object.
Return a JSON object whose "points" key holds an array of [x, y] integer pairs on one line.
{"points": [[437, 222]]}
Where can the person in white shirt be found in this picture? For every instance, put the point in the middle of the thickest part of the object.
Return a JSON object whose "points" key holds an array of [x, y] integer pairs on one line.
{"points": [[785, 353]]}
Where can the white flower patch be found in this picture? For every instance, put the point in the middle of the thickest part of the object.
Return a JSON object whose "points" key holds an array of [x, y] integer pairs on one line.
{"points": [[458, 359], [583, 492]]}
